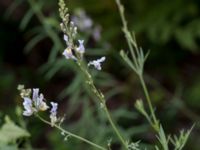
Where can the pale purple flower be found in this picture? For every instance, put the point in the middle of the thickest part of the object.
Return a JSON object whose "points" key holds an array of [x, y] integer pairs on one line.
{"points": [[35, 94], [40, 104], [54, 108], [38, 100], [97, 63], [53, 112], [66, 38], [29, 110], [81, 48], [68, 54]]}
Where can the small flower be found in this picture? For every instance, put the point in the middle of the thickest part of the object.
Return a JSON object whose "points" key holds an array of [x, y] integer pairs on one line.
{"points": [[81, 48], [97, 63], [29, 110], [68, 54], [35, 94], [41, 105], [53, 114], [66, 38], [38, 100]]}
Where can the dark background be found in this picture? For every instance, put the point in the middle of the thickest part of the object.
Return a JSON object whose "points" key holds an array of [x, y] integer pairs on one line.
{"points": [[30, 53]]}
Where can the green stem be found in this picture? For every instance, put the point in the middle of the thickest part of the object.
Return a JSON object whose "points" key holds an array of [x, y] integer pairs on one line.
{"points": [[102, 100], [71, 134], [127, 33], [155, 121], [115, 128]]}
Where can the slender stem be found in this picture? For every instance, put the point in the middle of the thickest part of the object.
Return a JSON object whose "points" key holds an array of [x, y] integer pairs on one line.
{"points": [[127, 33], [115, 128], [155, 121], [71, 134], [102, 100]]}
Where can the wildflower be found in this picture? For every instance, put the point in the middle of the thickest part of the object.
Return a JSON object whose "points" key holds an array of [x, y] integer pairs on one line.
{"points": [[68, 54], [53, 114], [66, 39], [81, 48], [35, 94], [38, 100], [29, 110], [97, 63], [41, 105]]}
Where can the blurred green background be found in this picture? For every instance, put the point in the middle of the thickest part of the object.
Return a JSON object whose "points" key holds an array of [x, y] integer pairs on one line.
{"points": [[31, 45]]}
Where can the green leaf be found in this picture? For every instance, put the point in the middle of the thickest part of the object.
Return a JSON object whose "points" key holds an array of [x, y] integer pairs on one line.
{"points": [[10, 132], [34, 41], [8, 147], [26, 19]]}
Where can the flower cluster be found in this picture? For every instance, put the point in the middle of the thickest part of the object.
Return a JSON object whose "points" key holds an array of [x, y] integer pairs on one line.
{"points": [[73, 50], [36, 102], [68, 52], [80, 50]]}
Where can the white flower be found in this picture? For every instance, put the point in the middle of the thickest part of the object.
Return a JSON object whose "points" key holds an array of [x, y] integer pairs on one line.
{"points": [[66, 38], [40, 104], [68, 54], [81, 48], [53, 114], [35, 94], [29, 110], [38, 100], [97, 63]]}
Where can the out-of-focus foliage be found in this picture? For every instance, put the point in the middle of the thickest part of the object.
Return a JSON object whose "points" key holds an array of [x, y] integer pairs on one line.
{"points": [[169, 20], [170, 29], [10, 133]]}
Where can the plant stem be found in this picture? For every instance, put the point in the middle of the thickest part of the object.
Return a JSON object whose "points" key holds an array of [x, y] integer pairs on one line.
{"points": [[102, 100], [155, 121], [115, 128], [71, 134], [138, 68], [127, 33]]}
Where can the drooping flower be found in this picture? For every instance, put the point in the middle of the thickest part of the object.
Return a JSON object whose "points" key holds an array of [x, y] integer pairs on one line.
{"points": [[68, 53], [97, 63], [29, 110], [53, 112], [81, 48]]}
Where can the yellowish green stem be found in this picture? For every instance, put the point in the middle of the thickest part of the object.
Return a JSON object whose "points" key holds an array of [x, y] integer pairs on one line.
{"points": [[155, 121], [71, 134], [102, 100]]}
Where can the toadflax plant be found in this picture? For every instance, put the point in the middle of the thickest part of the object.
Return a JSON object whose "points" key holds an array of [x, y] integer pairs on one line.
{"points": [[34, 102], [136, 63]]}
